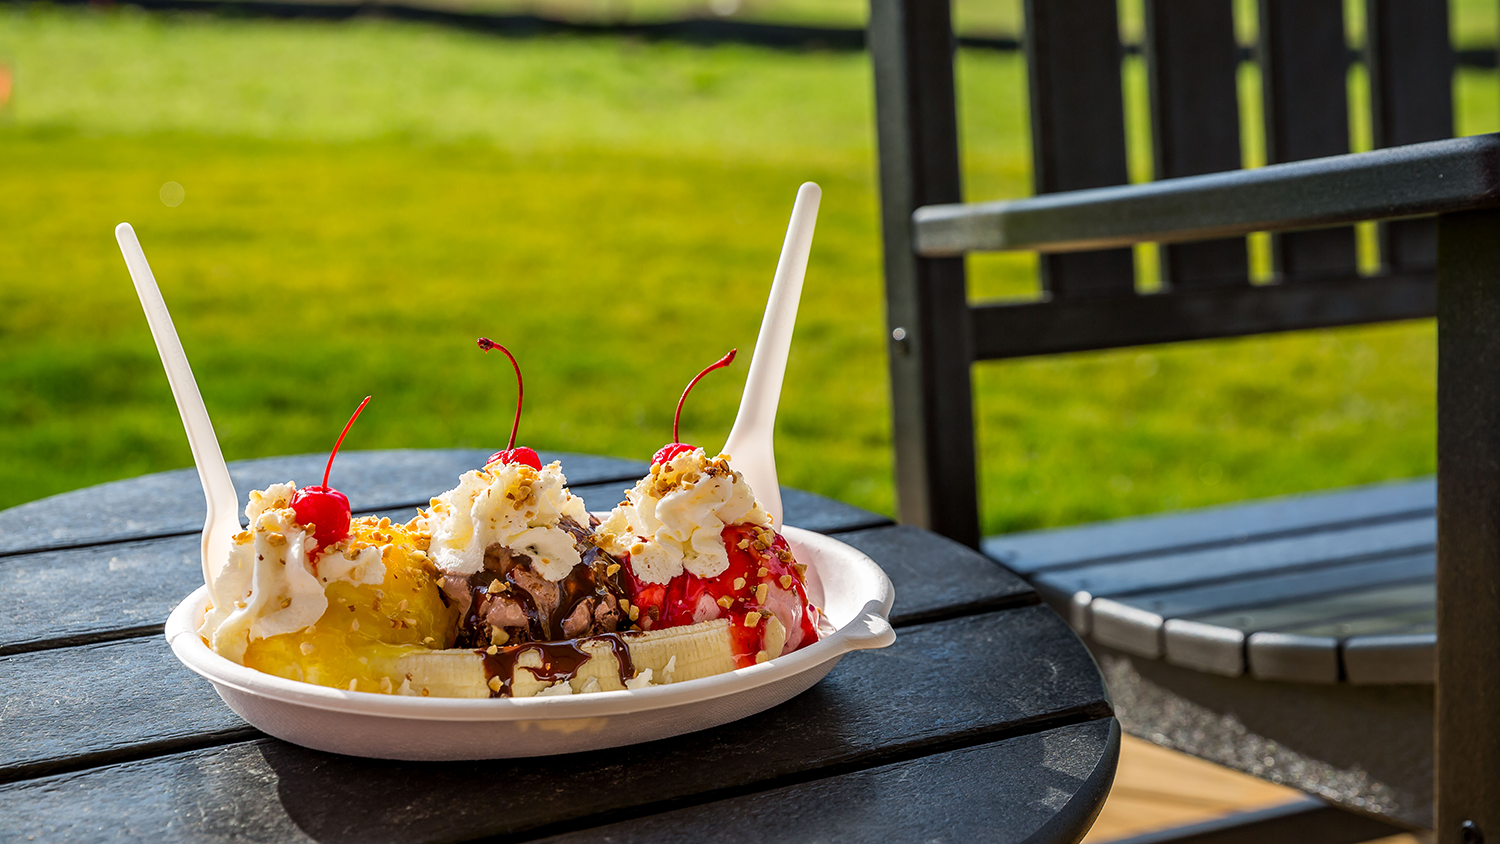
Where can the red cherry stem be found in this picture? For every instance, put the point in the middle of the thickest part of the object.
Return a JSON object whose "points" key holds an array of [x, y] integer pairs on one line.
{"points": [[487, 344], [344, 433], [718, 364]]}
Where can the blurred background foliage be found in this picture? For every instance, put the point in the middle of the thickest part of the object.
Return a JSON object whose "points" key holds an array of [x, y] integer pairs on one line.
{"points": [[359, 200]]}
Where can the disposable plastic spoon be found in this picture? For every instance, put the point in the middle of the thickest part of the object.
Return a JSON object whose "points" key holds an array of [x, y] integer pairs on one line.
{"points": [[222, 523], [750, 441]]}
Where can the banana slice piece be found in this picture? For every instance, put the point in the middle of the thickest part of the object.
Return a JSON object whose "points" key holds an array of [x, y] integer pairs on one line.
{"points": [[672, 655]]}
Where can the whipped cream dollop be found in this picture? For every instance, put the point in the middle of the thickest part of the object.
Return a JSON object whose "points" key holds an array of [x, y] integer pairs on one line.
{"points": [[511, 504], [272, 583], [672, 520]]}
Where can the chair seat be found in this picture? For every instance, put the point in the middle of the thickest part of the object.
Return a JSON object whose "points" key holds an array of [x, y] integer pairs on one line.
{"points": [[1332, 587]]}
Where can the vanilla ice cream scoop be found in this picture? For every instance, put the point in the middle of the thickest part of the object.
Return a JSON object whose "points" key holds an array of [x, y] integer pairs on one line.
{"points": [[512, 505]]}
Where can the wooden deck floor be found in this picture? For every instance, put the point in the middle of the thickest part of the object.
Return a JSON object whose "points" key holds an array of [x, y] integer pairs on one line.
{"points": [[1158, 789]]}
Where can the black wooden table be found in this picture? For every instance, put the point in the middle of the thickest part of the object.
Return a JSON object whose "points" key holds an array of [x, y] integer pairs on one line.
{"points": [[987, 720]]}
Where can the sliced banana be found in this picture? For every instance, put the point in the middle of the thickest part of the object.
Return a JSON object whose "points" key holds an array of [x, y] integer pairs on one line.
{"points": [[662, 656]]}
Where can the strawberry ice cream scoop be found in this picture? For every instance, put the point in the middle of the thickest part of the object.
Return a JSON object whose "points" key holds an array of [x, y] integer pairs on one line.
{"points": [[695, 545]]}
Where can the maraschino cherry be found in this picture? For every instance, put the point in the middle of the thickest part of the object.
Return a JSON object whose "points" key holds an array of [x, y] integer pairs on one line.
{"points": [[676, 447], [511, 454], [322, 506]]}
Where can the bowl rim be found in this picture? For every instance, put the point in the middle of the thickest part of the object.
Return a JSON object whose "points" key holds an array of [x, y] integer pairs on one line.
{"points": [[869, 627]]}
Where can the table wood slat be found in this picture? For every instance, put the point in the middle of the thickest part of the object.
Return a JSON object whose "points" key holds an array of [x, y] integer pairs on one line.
{"points": [[71, 708], [1038, 551], [936, 577], [988, 793], [942, 686], [102, 592], [172, 502]]}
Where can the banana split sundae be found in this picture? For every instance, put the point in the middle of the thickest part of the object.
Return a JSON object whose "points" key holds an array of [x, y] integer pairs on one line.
{"points": [[507, 587]]}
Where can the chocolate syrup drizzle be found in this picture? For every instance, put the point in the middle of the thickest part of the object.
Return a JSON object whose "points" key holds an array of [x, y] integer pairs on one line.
{"points": [[560, 661], [589, 585], [589, 588]]}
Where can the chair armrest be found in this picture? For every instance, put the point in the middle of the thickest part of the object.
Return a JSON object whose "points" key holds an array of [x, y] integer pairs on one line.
{"points": [[1408, 181]]}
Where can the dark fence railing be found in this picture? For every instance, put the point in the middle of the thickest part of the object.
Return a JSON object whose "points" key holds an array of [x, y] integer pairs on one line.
{"points": [[688, 30]]}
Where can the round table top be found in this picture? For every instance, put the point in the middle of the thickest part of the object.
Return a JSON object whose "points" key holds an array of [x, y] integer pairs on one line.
{"points": [[986, 720]]}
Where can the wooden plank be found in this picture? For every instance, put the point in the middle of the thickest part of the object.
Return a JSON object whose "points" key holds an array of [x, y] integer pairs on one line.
{"points": [[1293, 658], [1077, 129], [1130, 629], [1326, 612], [1006, 330], [1192, 62], [1416, 619], [132, 586], [1405, 659], [1229, 563], [1219, 643], [1283, 587], [1410, 63], [1306, 106], [911, 48], [1204, 647], [77, 707], [1044, 550], [172, 502], [1003, 799], [941, 687], [938, 578], [1410, 181]]}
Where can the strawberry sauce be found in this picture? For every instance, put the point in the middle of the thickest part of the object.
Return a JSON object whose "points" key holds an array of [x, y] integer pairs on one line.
{"points": [[757, 557]]}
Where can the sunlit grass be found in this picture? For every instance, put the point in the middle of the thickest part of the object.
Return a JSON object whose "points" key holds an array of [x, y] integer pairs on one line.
{"points": [[364, 200]]}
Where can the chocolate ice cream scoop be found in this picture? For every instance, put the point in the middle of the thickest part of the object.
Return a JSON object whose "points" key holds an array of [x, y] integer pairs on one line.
{"points": [[507, 602]]}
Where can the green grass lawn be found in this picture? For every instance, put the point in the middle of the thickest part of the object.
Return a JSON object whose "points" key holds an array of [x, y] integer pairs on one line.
{"points": [[363, 200]]}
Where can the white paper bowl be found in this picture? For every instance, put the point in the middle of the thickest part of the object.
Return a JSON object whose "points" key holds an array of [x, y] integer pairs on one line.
{"points": [[853, 592]]}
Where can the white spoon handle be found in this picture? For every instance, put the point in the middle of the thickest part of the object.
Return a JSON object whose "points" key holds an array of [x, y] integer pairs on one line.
{"points": [[221, 523], [751, 440]]}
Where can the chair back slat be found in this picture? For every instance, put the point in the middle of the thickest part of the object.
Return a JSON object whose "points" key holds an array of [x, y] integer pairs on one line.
{"points": [[1192, 62], [926, 299], [1304, 68], [1074, 63], [1411, 62], [1078, 129]]}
